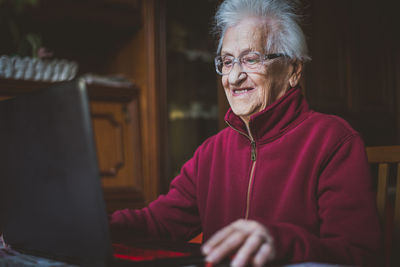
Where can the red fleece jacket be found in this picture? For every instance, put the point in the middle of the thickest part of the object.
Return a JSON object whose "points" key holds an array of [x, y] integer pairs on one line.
{"points": [[305, 177]]}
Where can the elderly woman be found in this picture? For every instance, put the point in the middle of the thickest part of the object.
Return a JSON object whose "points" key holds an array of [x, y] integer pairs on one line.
{"points": [[282, 183]]}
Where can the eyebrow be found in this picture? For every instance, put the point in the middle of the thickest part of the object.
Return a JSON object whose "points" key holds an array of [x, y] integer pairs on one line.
{"points": [[227, 53]]}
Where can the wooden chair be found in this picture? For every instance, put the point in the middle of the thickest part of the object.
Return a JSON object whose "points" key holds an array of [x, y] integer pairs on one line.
{"points": [[389, 212]]}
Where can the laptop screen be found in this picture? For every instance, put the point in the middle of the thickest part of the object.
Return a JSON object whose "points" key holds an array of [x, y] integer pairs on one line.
{"points": [[50, 191]]}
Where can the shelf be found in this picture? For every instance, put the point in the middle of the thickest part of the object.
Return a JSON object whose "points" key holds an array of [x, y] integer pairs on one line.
{"points": [[93, 33], [11, 87]]}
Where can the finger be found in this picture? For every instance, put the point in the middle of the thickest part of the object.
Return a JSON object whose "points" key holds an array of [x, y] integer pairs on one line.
{"points": [[222, 234], [264, 254], [249, 248], [226, 247], [216, 239]]}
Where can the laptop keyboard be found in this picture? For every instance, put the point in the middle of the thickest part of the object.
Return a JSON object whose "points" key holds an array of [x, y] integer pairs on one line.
{"points": [[10, 257]]}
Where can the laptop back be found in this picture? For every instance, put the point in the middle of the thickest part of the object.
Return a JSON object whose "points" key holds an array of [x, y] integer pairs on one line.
{"points": [[50, 190]]}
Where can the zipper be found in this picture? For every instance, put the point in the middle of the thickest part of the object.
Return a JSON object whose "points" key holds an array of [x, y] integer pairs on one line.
{"points": [[249, 190], [242, 133], [253, 165], [253, 151]]}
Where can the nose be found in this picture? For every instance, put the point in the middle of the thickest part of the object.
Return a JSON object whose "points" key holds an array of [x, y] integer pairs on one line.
{"points": [[236, 76]]}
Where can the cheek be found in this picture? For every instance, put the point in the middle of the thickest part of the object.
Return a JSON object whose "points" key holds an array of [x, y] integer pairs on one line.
{"points": [[279, 76], [265, 87], [276, 82], [224, 81]]}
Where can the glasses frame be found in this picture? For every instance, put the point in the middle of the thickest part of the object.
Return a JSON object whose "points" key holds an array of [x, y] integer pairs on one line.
{"points": [[238, 59]]}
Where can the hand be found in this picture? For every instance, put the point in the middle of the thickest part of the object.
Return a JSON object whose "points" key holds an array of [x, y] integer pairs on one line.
{"points": [[249, 238]]}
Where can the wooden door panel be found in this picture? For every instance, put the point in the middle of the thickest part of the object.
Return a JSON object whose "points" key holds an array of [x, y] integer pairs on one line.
{"points": [[114, 140], [116, 130]]}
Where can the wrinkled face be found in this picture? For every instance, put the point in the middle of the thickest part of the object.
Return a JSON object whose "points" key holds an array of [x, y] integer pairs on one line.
{"points": [[249, 93]]}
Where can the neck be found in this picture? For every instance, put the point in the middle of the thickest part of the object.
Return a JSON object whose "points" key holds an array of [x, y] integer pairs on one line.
{"points": [[246, 120]]}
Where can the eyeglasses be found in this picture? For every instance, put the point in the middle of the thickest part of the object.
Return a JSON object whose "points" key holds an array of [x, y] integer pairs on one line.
{"points": [[249, 62]]}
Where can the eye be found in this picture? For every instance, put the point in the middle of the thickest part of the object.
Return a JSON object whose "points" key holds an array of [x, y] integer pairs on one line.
{"points": [[251, 59], [227, 61]]}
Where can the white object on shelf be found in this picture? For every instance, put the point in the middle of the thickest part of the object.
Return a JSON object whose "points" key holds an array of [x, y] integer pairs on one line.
{"points": [[28, 68]]}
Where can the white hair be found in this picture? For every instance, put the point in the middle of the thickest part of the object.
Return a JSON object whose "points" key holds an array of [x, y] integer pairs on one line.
{"points": [[284, 33]]}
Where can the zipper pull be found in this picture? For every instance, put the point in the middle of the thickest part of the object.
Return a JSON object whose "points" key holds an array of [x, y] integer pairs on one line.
{"points": [[253, 151]]}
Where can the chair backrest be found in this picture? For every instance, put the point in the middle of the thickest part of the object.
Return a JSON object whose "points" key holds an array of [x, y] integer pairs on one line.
{"points": [[387, 157]]}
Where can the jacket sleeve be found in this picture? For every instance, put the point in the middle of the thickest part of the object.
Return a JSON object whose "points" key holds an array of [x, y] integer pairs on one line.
{"points": [[173, 216], [349, 226]]}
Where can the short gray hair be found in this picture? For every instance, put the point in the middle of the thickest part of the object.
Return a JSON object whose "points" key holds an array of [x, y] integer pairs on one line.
{"points": [[285, 34]]}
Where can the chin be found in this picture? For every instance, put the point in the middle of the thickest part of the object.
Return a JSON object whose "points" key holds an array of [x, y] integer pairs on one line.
{"points": [[243, 113], [245, 108]]}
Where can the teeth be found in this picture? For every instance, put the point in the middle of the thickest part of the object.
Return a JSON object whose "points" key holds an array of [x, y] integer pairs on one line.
{"points": [[241, 91]]}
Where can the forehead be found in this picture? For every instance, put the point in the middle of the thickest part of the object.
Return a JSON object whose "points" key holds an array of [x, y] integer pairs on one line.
{"points": [[248, 35]]}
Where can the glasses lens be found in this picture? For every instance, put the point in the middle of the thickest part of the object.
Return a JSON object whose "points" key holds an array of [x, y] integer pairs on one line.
{"points": [[218, 65], [251, 61], [224, 64]]}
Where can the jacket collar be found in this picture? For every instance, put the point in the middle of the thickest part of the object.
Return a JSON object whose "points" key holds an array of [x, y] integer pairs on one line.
{"points": [[275, 119]]}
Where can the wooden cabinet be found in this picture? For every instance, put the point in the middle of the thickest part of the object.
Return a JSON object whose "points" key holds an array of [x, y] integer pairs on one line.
{"points": [[115, 117], [106, 37], [116, 125]]}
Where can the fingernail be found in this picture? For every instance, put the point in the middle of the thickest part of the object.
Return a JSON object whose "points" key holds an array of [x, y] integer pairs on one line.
{"points": [[205, 249], [237, 262], [210, 258]]}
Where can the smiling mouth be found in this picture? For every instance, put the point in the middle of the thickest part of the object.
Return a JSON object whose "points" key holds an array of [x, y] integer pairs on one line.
{"points": [[241, 91]]}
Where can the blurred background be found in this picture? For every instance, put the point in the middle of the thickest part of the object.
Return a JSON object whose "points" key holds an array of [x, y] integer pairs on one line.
{"points": [[165, 50]]}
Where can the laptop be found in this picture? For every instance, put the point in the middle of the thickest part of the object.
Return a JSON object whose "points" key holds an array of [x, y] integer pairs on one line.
{"points": [[51, 199]]}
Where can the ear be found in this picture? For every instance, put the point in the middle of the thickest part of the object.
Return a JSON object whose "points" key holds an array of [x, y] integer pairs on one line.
{"points": [[295, 75]]}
